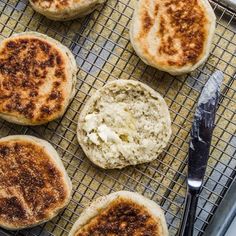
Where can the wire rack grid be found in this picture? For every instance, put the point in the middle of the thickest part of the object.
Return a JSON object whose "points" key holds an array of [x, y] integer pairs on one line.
{"points": [[101, 46]]}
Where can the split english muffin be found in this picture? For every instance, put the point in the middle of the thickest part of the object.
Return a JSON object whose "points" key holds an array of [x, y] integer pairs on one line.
{"points": [[63, 10], [37, 76], [121, 213], [124, 123], [34, 185], [173, 35]]}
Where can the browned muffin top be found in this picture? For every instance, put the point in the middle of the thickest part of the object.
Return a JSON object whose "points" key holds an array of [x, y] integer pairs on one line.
{"points": [[54, 4], [122, 217], [31, 185], [182, 30], [33, 74]]}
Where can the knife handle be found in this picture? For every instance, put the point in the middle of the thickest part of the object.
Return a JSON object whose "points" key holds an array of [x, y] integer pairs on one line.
{"points": [[186, 228]]}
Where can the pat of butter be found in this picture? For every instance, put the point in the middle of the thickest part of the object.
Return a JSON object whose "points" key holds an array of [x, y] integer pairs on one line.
{"points": [[107, 134], [94, 138], [91, 123]]}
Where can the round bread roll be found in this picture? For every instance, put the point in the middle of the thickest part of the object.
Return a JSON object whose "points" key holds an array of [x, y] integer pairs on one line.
{"points": [[173, 36], [34, 185], [121, 213], [124, 123], [38, 77], [66, 9]]}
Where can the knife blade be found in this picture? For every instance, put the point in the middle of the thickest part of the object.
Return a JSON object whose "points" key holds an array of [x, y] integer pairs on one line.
{"points": [[199, 147], [202, 128]]}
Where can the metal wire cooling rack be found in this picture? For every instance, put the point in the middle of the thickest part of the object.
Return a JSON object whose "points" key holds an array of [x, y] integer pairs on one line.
{"points": [[100, 43]]}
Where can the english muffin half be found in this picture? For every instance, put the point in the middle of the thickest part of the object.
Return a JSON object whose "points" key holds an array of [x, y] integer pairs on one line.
{"points": [[38, 76], [63, 10], [121, 213], [173, 35], [34, 185], [124, 123]]}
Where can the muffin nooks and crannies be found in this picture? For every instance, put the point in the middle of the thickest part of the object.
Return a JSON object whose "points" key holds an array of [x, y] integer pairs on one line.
{"points": [[66, 9], [173, 35], [34, 185], [38, 76], [124, 123], [121, 213]]}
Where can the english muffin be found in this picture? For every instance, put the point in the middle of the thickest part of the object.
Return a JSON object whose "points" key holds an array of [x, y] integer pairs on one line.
{"points": [[121, 213], [38, 76], [63, 10], [124, 123], [173, 35], [34, 185]]}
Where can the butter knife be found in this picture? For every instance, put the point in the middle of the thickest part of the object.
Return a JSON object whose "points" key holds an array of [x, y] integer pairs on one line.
{"points": [[200, 141]]}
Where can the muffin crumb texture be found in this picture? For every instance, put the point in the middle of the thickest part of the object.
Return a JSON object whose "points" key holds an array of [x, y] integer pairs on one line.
{"points": [[126, 126]]}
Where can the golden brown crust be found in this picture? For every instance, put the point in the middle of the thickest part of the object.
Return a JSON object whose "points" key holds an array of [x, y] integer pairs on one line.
{"points": [[64, 10], [58, 4], [55, 4], [122, 217], [182, 31], [31, 185], [33, 77]]}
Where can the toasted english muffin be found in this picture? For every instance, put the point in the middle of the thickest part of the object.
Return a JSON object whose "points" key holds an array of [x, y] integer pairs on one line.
{"points": [[124, 123], [34, 185], [63, 10], [38, 76], [121, 213], [173, 35]]}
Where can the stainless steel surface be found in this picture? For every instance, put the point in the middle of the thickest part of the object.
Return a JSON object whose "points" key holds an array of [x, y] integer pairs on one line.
{"points": [[199, 147], [231, 4], [100, 43], [224, 218]]}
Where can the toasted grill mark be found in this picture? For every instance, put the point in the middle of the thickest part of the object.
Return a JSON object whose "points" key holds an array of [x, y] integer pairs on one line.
{"points": [[50, 62], [51, 3], [54, 95], [147, 22], [12, 208], [45, 110], [4, 151], [28, 179], [62, 4], [56, 84], [171, 62], [156, 8], [11, 44], [59, 60], [25, 109], [188, 20], [25, 66], [122, 217], [162, 28], [167, 47], [59, 73], [44, 47], [27, 170], [182, 30]]}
